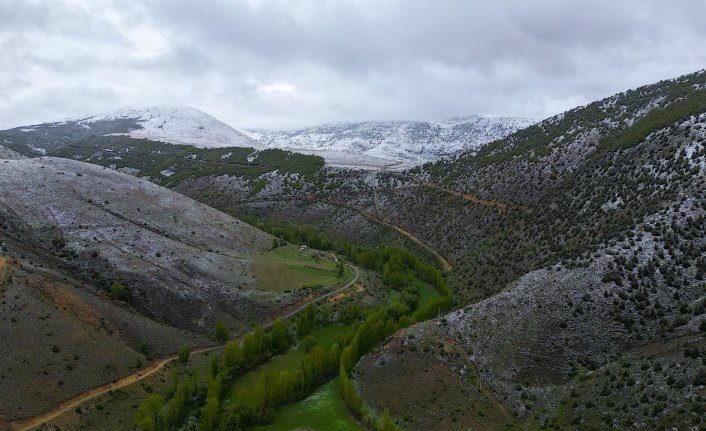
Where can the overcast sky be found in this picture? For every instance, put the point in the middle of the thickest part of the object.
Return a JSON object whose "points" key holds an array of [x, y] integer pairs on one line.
{"points": [[288, 63]]}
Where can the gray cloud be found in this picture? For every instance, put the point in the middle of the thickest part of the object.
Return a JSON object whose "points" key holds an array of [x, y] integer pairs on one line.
{"points": [[278, 63]]}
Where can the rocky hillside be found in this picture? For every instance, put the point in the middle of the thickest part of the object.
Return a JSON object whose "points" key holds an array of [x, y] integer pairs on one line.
{"points": [[180, 261], [600, 266]]}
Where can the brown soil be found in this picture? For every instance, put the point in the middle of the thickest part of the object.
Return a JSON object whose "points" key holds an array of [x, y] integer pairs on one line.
{"points": [[67, 301]]}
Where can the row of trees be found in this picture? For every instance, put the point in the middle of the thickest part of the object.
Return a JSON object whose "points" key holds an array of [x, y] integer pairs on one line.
{"points": [[214, 406], [217, 411], [275, 389], [376, 328], [167, 412]]}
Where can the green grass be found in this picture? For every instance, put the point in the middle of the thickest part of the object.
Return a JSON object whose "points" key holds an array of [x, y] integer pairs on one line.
{"points": [[287, 361], [331, 334], [245, 383], [321, 411], [287, 268], [427, 293]]}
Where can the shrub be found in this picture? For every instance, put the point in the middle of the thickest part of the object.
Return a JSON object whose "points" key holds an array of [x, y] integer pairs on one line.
{"points": [[117, 290], [222, 331], [184, 353]]}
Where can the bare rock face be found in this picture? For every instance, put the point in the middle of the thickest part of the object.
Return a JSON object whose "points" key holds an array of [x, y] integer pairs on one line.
{"points": [[180, 261]]}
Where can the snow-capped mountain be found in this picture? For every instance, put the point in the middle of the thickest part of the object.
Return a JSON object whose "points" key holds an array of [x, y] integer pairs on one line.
{"points": [[176, 124], [365, 145], [393, 144]]}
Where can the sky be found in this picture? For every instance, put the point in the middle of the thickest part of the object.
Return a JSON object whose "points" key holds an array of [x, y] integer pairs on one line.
{"points": [[287, 63]]}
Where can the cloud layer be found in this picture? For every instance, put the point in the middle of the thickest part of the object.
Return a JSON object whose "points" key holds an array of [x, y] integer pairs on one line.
{"points": [[279, 63]]}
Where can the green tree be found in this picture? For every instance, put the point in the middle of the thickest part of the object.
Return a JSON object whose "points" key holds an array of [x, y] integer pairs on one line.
{"points": [[278, 338], [232, 358], [184, 353], [306, 320], [117, 290], [222, 331], [209, 414], [147, 415], [385, 423]]}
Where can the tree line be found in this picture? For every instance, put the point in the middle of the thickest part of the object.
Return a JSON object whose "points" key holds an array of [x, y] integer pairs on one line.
{"points": [[210, 402]]}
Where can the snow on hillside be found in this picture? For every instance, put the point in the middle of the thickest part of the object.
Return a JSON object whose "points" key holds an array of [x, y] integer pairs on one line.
{"points": [[176, 124], [364, 145], [392, 144]]}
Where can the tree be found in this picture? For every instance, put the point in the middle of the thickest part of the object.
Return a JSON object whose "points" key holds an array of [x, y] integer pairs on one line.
{"points": [[340, 269], [325, 315], [147, 415], [222, 331], [385, 423], [278, 339], [183, 354], [117, 290], [209, 414], [232, 358], [308, 343], [306, 320], [254, 347], [214, 366]]}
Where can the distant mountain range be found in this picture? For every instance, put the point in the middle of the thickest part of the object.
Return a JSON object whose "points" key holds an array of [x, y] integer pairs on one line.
{"points": [[367, 145], [395, 144]]}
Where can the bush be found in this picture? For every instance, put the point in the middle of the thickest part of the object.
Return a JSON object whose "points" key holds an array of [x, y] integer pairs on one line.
{"points": [[117, 290], [222, 331], [184, 353]]}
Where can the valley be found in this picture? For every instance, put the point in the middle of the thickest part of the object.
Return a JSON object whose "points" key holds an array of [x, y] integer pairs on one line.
{"points": [[552, 278]]}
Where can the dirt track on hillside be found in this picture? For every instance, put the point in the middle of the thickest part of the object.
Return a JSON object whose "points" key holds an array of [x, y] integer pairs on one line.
{"points": [[36, 421]]}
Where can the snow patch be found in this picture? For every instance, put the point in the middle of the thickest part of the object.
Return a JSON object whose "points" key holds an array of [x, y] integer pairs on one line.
{"points": [[176, 124], [391, 144]]}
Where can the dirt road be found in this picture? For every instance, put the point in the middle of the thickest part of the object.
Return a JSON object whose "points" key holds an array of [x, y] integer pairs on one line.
{"points": [[445, 263], [363, 212], [34, 422]]}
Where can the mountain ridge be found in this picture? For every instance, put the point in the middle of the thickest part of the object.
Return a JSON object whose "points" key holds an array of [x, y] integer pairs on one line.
{"points": [[366, 145]]}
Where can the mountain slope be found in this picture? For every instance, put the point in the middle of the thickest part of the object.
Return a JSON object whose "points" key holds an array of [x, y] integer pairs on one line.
{"points": [[600, 318], [397, 144], [100, 272], [180, 261], [179, 124], [392, 144]]}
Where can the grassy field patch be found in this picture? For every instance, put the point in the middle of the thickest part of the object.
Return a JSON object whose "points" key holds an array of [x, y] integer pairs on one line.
{"points": [[331, 334], [290, 268], [244, 384], [321, 411], [427, 293]]}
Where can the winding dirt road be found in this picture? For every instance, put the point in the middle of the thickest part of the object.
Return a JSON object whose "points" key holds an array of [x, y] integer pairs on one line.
{"points": [[363, 212], [476, 199], [36, 421], [445, 263]]}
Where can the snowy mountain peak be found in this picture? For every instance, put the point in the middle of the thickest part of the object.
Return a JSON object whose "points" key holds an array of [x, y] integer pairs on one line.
{"points": [[176, 124], [364, 145], [391, 144]]}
